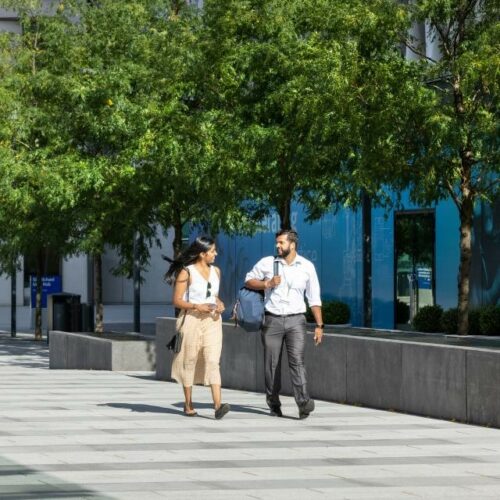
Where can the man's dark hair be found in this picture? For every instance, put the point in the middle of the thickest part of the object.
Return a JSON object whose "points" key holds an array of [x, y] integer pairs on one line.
{"points": [[291, 235]]}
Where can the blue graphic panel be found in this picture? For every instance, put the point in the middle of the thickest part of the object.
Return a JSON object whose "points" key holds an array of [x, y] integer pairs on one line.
{"points": [[342, 266], [485, 272], [50, 284], [334, 244], [424, 278], [309, 238], [236, 256], [382, 269], [447, 254]]}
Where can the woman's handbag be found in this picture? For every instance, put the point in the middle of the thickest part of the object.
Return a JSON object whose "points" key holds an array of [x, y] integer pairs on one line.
{"points": [[175, 343]]}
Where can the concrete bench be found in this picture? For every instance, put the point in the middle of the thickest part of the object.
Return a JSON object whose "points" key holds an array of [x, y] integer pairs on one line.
{"points": [[119, 352]]}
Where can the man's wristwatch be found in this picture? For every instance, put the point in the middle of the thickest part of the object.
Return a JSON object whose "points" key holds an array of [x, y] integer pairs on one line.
{"points": [[320, 326]]}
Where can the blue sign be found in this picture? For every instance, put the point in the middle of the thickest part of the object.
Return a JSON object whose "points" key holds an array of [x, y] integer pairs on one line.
{"points": [[424, 277], [50, 284]]}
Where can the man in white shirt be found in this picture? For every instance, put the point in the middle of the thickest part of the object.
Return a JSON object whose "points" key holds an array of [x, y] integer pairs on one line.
{"points": [[285, 279]]}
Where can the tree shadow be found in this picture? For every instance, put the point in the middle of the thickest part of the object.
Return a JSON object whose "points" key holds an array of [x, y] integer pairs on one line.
{"points": [[45, 488], [24, 352]]}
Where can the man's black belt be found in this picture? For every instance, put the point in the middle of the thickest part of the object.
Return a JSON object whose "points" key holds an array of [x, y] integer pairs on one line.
{"points": [[267, 313]]}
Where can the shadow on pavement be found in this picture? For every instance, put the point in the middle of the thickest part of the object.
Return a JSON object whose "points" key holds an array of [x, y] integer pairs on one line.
{"points": [[146, 377], [23, 351], [28, 483], [143, 408], [234, 408]]}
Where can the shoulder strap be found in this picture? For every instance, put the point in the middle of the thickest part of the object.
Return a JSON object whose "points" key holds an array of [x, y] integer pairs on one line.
{"points": [[185, 310]]}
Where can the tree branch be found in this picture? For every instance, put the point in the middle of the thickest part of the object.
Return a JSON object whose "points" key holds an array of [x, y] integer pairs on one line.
{"points": [[462, 18], [491, 185], [453, 194], [417, 52], [444, 38]]}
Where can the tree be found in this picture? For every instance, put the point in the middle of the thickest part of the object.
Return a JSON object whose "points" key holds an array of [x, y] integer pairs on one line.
{"points": [[40, 183], [294, 74], [78, 78], [38, 212], [109, 91], [188, 155], [455, 151]]}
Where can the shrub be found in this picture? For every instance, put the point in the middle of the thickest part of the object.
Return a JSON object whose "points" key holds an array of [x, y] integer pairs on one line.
{"points": [[334, 313], [489, 320], [449, 322], [474, 326], [402, 312], [428, 319]]}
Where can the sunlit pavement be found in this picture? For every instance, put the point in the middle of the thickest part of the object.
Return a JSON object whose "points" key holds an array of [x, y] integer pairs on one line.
{"points": [[94, 434]]}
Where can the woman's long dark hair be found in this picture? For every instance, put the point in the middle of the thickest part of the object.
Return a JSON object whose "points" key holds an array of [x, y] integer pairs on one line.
{"points": [[189, 256]]}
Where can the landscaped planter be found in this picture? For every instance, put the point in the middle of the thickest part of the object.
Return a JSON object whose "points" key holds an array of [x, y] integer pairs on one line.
{"points": [[432, 375], [111, 351]]}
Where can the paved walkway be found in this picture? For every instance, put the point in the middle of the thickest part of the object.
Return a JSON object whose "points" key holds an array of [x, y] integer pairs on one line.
{"points": [[91, 434]]}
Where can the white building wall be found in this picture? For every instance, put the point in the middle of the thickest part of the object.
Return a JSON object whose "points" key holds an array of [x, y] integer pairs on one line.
{"points": [[119, 290], [431, 43], [76, 276], [417, 34], [5, 287]]}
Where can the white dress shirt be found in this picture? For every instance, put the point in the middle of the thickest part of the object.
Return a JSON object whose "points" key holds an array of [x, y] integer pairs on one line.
{"points": [[297, 279]]}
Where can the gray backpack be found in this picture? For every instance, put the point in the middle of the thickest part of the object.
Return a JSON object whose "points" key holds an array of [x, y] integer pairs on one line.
{"points": [[248, 312]]}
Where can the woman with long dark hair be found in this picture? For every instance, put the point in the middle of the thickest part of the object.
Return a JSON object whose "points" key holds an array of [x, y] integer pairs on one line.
{"points": [[196, 293]]}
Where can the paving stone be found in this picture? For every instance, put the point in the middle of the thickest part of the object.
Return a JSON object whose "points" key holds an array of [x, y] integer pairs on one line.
{"points": [[101, 435]]}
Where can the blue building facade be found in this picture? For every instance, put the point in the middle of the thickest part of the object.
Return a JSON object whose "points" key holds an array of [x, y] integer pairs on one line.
{"points": [[335, 245]]}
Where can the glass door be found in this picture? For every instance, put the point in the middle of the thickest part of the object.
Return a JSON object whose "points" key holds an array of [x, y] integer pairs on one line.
{"points": [[414, 254]]}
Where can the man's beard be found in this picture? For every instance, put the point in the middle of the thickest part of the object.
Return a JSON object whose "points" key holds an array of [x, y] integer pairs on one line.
{"points": [[285, 253]]}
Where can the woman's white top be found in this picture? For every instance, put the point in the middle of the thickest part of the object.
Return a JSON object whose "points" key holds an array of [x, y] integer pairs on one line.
{"points": [[202, 291]]}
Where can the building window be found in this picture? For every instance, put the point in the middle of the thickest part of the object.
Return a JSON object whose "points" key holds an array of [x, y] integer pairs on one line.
{"points": [[414, 255]]}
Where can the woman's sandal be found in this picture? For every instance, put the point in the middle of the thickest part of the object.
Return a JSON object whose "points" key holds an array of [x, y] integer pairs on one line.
{"points": [[191, 413], [222, 410]]}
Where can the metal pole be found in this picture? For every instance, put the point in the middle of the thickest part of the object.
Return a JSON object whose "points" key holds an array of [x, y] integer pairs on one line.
{"points": [[137, 286], [13, 300], [367, 259]]}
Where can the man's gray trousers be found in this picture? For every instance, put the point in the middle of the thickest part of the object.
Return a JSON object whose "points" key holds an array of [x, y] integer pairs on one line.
{"points": [[291, 331]]}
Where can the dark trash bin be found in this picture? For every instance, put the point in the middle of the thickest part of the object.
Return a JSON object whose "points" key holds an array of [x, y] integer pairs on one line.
{"points": [[64, 312]]}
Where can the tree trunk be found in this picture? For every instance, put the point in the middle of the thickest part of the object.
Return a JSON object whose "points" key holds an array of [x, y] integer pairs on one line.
{"points": [[285, 211], [287, 190], [466, 208], [99, 308], [177, 243], [38, 296], [136, 278], [466, 214]]}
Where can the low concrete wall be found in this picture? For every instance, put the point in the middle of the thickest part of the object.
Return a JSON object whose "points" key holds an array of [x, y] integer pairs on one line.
{"points": [[441, 381], [85, 352]]}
